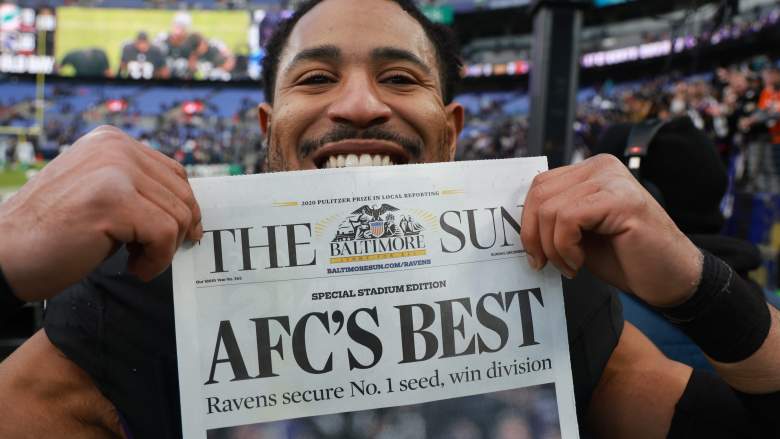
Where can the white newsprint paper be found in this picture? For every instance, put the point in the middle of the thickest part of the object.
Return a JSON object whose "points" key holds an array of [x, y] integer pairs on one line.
{"points": [[351, 290]]}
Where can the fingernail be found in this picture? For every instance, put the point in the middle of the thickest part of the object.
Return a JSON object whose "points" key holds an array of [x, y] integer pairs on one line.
{"points": [[571, 264], [531, 261], [198, 232]]}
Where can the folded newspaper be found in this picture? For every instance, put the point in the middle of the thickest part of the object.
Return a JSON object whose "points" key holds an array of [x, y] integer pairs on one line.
{"points": [[370, 302]]}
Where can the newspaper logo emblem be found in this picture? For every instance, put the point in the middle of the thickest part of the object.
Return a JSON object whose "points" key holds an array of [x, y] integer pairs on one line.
{"points": [[377, 228], [377, 232]]}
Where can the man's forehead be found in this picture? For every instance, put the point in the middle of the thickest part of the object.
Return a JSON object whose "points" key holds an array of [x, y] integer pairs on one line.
{"points": [[358, 27]]}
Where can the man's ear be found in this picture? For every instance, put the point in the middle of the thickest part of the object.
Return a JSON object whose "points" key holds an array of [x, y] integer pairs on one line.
{"points": [[264, 116], [455, 116]]}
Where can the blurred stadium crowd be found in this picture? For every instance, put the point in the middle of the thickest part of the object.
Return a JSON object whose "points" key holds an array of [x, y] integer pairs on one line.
{"points": [[195, 126], [736, 105]]}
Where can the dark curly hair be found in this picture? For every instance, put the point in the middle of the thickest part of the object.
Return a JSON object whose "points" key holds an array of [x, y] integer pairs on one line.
{"points": [[442, 38]]}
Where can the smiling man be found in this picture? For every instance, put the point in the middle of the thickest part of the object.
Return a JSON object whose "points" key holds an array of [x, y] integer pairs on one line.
{"points": [[360, 95], [371, 82]]}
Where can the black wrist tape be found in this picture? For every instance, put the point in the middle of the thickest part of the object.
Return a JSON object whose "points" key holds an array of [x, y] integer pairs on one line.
{"points": [[8, 299], [726, 316]]}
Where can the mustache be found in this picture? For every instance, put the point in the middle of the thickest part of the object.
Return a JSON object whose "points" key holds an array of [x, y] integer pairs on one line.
{"points": [[413, 147]]}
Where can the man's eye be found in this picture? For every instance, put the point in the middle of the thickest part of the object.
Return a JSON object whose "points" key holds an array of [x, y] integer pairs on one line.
{"points": [[399, 80], [316, 79]]}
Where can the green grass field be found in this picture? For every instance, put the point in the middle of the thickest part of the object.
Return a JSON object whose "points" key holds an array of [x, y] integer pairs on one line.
{"points": [[14, 177], [109, 29]]}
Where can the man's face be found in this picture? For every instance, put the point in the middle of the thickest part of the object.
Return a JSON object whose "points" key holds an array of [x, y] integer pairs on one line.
{"points": [[773, 78], [178, 32], [142, 45], [738, 83], [358, 83]]}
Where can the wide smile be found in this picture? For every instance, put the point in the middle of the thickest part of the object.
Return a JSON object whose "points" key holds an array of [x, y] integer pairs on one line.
{"points": [[360, 152]]}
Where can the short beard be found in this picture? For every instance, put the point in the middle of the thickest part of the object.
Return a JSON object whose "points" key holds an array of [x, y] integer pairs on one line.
{"points": [[274, 160], [414, 147]]}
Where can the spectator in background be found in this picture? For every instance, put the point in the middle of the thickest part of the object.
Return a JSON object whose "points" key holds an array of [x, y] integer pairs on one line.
{"points": [[91, 62], [739, 100], [211, 59], [142, 60], [769, 104], [178, 46], [25, 153], [4, 148]]}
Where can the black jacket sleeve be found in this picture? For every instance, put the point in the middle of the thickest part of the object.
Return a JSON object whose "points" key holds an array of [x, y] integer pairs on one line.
{"points": [[764, 411], [711, 408]]}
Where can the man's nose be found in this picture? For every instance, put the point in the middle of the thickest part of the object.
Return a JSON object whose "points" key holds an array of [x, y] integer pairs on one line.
{"points": [[359, 104]]}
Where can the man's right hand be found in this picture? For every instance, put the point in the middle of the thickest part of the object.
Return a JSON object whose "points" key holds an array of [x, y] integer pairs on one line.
{"points": [[104, 191]]}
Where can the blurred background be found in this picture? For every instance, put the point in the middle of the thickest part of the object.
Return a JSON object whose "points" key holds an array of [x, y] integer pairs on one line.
{"points": [[184, 78]]}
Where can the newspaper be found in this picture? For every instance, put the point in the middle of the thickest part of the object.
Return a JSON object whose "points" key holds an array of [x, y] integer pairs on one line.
{"points": [[344, 291]]}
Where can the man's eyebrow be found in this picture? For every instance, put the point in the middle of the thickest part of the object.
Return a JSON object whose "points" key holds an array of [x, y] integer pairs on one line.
{"points": [[327, 53], [395, 54]]}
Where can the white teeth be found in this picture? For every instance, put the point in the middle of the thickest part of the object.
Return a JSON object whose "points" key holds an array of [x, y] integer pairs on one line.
{"points": [[350, 160]]}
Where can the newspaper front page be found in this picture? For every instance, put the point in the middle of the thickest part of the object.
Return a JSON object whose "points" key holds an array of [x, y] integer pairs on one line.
{"points": [[370, 302]]}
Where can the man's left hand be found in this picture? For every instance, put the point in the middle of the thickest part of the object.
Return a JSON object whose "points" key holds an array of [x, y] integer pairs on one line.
{"points": [[596, 214]]}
